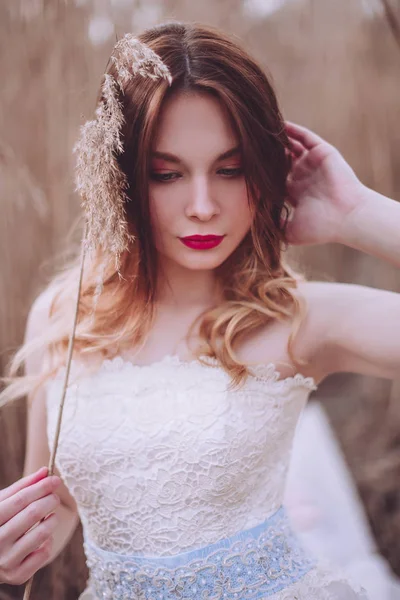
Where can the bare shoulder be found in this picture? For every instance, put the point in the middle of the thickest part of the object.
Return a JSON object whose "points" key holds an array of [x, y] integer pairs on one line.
{"points": [[38, 320], [270, 343], [332, 312], [353, 328], [343, 322], [40, 311]]}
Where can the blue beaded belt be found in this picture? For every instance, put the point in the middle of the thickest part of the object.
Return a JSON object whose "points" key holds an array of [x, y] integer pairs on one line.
{"points": [[250, 565]]}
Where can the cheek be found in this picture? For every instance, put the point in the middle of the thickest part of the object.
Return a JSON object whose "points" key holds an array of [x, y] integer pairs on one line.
{"points": [[161, 209], [240, 208]]}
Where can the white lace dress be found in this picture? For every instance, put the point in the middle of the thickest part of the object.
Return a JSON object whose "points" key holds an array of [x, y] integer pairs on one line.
{"points": [[179, 482]]}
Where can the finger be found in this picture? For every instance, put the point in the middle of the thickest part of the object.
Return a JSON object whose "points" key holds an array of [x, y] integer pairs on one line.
{"points": [[308, 138], [33, 563], [32, 540], [296, 148], [19, 525], [25, 497], [23, 483]]}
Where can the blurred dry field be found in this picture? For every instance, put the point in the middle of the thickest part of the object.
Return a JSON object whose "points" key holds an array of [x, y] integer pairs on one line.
{"points": [[336, 67]]}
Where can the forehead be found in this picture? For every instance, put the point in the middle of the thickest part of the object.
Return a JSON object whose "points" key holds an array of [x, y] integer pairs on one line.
{"points": [[194, 124]]}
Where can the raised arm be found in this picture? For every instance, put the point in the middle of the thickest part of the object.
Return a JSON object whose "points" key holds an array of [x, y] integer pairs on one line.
{"points": [[374, 227], [333, 205], [349, 327]]}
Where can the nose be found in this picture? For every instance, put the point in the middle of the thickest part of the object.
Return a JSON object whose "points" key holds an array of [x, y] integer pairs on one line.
{"points": [[201, 204]]}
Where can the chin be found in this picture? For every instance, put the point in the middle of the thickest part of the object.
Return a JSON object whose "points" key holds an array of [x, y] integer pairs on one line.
{"points": [[200, 264], [197, 260]]}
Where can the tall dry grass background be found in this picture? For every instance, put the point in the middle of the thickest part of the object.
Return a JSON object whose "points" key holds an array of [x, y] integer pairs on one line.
{"points": [[336, 67]]}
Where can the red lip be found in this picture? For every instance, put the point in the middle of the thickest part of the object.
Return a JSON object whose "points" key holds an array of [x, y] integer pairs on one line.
{"points": [[202, 242]]}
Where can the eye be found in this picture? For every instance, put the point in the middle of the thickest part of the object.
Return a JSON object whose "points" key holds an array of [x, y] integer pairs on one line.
{"points": [[164, 177], [233, 172]]}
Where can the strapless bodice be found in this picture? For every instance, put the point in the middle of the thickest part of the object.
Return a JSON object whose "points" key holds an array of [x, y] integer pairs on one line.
{"points": [[165, 458]]}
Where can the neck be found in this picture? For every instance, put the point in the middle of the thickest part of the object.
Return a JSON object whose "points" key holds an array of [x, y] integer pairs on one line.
{"points": [[181, 288]]}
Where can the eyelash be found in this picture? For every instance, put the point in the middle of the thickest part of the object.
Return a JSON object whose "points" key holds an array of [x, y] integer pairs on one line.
{"points": [[168, 177]]}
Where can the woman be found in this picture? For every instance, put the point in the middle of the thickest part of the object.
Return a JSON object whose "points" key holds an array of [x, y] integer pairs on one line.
{"points": [[177, 428]]}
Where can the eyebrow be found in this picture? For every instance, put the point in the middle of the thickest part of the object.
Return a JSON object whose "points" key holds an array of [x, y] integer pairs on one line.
{"points": [[175, 159]]}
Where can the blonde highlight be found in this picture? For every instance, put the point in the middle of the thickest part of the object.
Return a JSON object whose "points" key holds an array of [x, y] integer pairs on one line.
{"points": [[260, 289]]}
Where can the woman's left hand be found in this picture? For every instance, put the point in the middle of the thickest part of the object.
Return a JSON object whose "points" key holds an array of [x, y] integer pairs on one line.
{"points": [[322, 189]]}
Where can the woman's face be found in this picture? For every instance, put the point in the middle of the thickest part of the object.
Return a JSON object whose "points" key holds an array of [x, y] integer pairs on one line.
{"points": [[196, 184]]}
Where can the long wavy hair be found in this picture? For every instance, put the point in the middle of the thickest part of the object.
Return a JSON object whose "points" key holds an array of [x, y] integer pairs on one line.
{"points": [[258, 288]]}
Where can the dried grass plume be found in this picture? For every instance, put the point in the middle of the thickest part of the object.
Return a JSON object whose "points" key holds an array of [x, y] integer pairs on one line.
{"points": [[131, 57], [99, 179]]}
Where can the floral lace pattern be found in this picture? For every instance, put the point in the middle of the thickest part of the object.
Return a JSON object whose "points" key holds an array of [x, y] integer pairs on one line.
{"points": [[253, 564], [165, 459], [162, 459]]}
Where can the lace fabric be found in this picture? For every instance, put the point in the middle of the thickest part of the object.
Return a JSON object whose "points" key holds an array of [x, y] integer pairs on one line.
{"points": [[316, 585], [163, 459], [252, 564]]}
